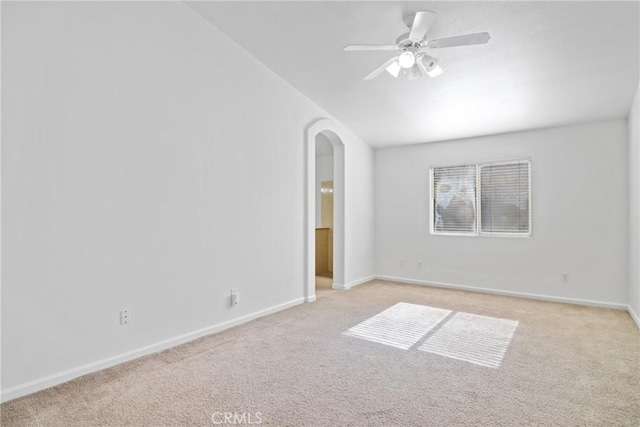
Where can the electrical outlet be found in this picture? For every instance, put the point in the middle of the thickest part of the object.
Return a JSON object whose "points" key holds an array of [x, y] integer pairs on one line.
{"points": [[401, 263], [235, 299], [419, 264], [565, 278], [125, 316]]}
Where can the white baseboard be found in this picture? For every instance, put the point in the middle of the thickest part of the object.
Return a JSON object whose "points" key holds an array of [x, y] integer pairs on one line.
{"points": [[361, 281], [310, 298], [353, 284], [634, 316], [62, 377], [506, 293]]}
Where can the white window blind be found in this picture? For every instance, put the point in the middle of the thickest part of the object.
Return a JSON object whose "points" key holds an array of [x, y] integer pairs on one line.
{"points": [[454, 199], [482, 199], [504, 197]]}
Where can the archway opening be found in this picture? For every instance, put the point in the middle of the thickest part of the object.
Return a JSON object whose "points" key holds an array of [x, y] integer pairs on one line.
{"points": [[322, 135], [324, 216]]}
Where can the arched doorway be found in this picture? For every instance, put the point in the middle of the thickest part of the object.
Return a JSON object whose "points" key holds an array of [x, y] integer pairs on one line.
{"points": [[330, 131]]}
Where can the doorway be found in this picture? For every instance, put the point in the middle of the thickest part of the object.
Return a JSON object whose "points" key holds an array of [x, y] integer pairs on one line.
{"points": [[324, 134], [324, 216]]}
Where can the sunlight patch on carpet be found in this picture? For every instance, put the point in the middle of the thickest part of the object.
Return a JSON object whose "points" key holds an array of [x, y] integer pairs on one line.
{"points": [[400, 326], [481, 340]]}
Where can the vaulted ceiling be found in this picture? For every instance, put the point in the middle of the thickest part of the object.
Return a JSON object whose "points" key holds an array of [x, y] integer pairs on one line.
{"points": [[547, 63]]}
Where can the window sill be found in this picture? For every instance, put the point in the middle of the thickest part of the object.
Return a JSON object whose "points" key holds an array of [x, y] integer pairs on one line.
{"points": [[507, 235]]}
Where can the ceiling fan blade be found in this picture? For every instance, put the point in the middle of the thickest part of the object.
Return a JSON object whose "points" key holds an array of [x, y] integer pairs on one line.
{"points": [[421, 24], [466, 40], [381, 68], [371, 47]]}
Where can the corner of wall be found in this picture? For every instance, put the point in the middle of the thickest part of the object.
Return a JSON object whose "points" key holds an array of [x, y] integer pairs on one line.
{"points": [[633, 294]]}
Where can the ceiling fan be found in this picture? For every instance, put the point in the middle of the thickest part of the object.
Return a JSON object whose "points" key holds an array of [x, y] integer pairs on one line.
{"points": [[414, 62]]}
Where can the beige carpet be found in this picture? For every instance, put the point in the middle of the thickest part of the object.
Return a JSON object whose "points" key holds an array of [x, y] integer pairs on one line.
{"points": [[324, 286], [566, 365]]}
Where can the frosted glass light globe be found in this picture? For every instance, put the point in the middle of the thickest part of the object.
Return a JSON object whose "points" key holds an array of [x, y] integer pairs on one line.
{"points": [[407, 59]]}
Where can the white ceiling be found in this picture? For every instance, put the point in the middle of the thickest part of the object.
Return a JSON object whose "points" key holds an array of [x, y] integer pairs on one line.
{"points": [[547, 63]]}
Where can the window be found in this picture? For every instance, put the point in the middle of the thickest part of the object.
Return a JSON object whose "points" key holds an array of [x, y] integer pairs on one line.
{"points": [[454, 203], [482, 199]]}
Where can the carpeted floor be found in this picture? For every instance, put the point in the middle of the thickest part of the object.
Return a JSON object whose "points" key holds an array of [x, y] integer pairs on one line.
{"points": [[324, 286], [566, 365]]}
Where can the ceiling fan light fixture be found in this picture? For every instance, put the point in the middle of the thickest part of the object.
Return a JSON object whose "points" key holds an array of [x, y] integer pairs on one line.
{"points": [[430, 66], [394, 69], [435, 71], [407, 59], [410, 73], [413, 63]]}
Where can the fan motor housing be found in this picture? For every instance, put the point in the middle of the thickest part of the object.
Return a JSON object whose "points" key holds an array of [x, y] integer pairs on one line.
{"points": [[405, 43]]}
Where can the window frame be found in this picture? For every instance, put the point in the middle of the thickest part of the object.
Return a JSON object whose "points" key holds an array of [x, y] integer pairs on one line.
{"points": [[478, 206]]}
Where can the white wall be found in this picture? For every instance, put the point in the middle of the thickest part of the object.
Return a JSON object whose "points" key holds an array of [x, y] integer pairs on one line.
{"points": [[360, 206], [148, 163], [634, 209], [324, 172], [579, 198]]}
